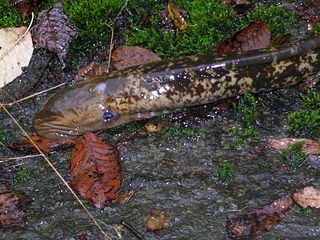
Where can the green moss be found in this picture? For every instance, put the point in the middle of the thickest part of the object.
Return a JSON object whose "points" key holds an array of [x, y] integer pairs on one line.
{"points": [[306, 121], [9, 16], [293, 156], [2, 138], [246, 112], [224, 171], [22, 174], [171, 132], [209, 23]]}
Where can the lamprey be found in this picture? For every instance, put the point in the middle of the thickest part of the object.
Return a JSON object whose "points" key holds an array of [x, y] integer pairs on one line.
{"points": [[161, 87]]}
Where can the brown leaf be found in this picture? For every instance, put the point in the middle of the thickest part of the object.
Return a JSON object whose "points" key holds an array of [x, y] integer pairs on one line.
{"points": [[95, 170], [255, 36], [123, 198], [260, 221], [128, 56], [309, 147], [308, 10], [240, 6], [157, 220], [171, 21], [10, 215], [307, 197], [176, 16], [54, 32], [92, 70], [26, 7], [44, 144]]}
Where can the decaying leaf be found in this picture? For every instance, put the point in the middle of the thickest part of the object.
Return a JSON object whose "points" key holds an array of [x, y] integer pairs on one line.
{"points": [[256, 36], [307, 197], [309, 146], [172, 18], [157, 220], [123, 198], [95, 170], [26, 7], [92, 70], [127, 56], [10, 215], [240, 6], [176, 16], [150, 128], [260, 221], [44, 144], [54, 32], [14, 56]]}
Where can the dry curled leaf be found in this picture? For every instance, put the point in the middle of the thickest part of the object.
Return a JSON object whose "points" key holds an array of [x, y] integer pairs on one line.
{"points": [[157, 220], [172, 18], [54, 32], [256, 36], [10, 215], [95, 170], [128, 56], [26, 7], [44, 144], [260, 221], [176, 16], [307, 197], [14, 56], [309, 146]]}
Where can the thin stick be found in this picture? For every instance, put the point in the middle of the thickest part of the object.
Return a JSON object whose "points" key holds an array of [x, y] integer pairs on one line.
{"points": [[33, 95], [3, 159], [56, 171], [19, 39]]}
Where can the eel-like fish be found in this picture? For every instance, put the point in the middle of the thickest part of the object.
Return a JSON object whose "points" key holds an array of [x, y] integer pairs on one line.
{"points": [[157, 88]]}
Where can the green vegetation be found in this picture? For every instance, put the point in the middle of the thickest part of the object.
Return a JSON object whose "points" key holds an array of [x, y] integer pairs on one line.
{"points": [[209, 23], [2, 138], [293, 156], [171, 132], [306, 121], [22, 174], [9, 17], [246, 111], [224, 171]]}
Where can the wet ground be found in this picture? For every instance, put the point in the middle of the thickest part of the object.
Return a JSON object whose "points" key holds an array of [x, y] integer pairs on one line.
{"points": [[174, 175]]}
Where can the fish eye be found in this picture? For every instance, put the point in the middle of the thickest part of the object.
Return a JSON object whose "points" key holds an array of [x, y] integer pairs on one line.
{"points": [[107, 115]]}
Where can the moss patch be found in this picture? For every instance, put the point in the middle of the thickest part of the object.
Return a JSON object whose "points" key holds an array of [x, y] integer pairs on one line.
{"points": [[9, 16]]}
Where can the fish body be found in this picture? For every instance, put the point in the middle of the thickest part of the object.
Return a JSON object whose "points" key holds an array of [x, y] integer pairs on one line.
{"points": [[157, 88]]}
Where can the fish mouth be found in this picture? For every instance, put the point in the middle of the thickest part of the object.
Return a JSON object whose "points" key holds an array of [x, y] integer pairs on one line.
{"points": [[54, 130]]}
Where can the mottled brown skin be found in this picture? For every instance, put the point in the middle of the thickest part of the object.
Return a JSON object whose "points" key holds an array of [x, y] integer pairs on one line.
{"points": [[160, 87]]}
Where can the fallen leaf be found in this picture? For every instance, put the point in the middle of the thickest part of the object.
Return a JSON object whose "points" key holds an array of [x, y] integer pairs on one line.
{"points": [[260, 221], [10, 215], [308, 10], [256, 36], [44, 144], [54, 32], [176, 16], [309, 146], [307, 197], [128, 56], [14, 56], [123, 198], [95, 170], [92, 70], [150, 128], [172, 17], [240, 6], [26, 7], [157, 220]]}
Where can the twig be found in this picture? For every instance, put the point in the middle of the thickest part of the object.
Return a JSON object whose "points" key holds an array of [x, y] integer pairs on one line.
{"points": [[33, 95], [131, 229], [111, 45], [4, 159]]}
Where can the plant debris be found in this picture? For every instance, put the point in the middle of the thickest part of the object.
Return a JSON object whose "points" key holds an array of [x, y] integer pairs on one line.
{"points": [[309, 146], [157, 220], [54, 32], [95, 170], [260, 221], [256, 36], [14, 55], [172, 18], [26, 7], [10, 214], [307, 197]]}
